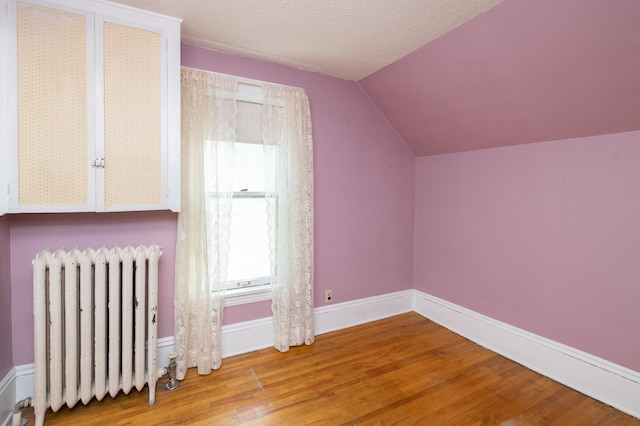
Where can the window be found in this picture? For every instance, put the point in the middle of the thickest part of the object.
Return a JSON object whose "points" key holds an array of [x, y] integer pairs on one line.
{"points": [[249, 263], [211, 112], [241, 176]]}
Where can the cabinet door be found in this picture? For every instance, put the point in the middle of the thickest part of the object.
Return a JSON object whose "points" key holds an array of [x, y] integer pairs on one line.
{"points": [[134, 129], [52, 103], [91, 116]]}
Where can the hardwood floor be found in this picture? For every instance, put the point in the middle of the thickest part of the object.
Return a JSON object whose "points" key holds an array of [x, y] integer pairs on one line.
{"points": [[401, 370]]}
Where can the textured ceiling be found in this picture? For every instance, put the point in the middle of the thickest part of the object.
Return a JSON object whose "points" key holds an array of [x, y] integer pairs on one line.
{"points": [[524, 71], [347, 39]]}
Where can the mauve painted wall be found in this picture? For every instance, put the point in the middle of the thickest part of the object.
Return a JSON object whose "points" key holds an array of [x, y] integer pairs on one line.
{"points": [[364, 177], [6, 354], [544, 236], [524, 71], [31, 233]]}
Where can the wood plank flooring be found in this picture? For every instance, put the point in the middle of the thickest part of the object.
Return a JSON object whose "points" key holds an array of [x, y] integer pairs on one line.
{"points": [[402, 370]]}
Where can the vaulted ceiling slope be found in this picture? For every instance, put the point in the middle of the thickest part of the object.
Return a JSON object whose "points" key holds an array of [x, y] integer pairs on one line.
{"points": [[524, 71], [449, 75], [347, 39]]}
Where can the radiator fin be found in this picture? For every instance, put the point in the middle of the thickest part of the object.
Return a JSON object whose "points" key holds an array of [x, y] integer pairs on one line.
{"points": [[95, 324]]}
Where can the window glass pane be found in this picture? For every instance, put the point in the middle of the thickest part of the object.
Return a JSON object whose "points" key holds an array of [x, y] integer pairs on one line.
{"points": [[248, 172], [239, 168], [219, 166], [249, 242]]}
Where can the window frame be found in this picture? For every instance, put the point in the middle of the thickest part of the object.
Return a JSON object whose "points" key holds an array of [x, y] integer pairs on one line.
{"points": [[260, 289], [255, 281]]}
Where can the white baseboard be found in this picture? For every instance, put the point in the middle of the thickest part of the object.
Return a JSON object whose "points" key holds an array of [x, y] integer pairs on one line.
{"points": [[253, 335], [24, 382], [245, 337], [593, 376], [347, 314], [598, 378], [7, 397]]}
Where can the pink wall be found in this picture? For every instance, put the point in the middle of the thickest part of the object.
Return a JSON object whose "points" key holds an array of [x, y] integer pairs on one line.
{"points": [[545, 237], [31, 233], [524, 71], [363, 184], [6, 357], [363, 211]]}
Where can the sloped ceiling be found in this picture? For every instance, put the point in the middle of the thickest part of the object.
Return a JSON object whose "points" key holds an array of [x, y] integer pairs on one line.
{"points": [[349, 39], [449, 75], [524, 71]]}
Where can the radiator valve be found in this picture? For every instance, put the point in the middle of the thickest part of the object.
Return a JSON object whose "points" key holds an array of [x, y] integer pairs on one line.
{"points": [[17, 412], [171, 371]]}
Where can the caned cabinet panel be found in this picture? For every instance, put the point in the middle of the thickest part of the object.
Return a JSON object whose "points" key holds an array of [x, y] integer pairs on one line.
{"points": [[91, 116], [52, 106], [132, 119]]}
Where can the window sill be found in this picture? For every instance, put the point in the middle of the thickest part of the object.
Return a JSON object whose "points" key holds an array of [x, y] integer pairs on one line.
{"points": [[243, 296]]}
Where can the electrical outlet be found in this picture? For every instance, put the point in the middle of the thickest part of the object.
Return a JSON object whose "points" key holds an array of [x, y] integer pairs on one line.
{"points": [[328, 296]]}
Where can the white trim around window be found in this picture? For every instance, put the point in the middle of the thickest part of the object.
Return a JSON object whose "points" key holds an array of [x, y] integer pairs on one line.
{"points": [[242, 296]]}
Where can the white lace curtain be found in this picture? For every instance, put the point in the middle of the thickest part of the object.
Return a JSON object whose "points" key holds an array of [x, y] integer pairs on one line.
{"points": [[287, 136], [208, 127], [208, 114]]}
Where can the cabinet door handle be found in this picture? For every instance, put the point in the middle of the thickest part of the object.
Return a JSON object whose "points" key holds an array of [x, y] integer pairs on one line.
{"points": [[98, 163]]}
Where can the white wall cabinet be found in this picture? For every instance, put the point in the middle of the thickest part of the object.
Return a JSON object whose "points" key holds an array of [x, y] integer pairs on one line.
{"points": [[91, 108]]}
